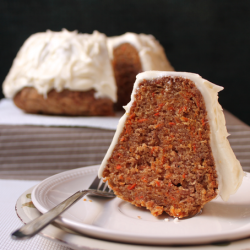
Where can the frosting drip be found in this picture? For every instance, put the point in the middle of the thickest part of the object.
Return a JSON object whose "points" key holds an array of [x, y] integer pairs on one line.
{"points": [[229, 170], [150, 51], [62, 60]]}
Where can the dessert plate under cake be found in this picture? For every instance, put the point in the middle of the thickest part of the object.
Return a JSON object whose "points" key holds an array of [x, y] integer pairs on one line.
{"points": [[117, 220]]}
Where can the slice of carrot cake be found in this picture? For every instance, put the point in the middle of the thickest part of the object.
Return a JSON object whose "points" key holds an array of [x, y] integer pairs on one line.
{"points": [[170, 151]]}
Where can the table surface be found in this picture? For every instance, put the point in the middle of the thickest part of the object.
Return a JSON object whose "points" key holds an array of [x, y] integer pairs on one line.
{"points": [[34, 152]]}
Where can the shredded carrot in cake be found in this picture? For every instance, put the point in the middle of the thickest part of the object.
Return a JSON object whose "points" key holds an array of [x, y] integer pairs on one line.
{"points": [[132, 187]]}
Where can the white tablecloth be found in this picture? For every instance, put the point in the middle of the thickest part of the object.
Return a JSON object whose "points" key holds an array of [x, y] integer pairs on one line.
{"points": [[9, 192], [11, 115]]}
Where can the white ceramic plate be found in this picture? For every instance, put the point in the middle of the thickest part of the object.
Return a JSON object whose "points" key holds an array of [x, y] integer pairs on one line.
{"points": [[74, 240], [117, 220]]}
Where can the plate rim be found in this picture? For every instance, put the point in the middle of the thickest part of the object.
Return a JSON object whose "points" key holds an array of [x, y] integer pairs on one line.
{"points": [[108, 234]]}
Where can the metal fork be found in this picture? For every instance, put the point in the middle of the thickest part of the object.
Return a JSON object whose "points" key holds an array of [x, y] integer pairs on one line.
{"points": [[97, 188]]}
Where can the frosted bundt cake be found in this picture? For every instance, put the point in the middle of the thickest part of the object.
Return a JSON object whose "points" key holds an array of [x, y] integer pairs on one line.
{"points": [[131, 54], [170, 151], [66, 73], [63, 73]]}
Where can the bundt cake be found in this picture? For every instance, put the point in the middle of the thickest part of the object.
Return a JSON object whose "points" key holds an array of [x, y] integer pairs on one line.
{"points": [[66, 73], [170, 151], [63, 73]]}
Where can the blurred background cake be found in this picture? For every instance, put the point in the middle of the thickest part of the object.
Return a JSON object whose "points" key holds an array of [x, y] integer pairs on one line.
{"points": [[67, 73], [63, 73]]}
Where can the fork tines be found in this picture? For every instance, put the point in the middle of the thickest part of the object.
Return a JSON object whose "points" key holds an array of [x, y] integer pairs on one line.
{"points": [[103, 186]]}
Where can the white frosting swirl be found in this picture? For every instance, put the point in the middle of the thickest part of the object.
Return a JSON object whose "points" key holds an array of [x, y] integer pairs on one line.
{"points": [[229, 170], [151, 53], [62, 60]]}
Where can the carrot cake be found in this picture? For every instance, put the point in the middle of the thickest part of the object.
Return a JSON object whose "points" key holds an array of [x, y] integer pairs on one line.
{"points": [[67, 73], [170, 151], [63, 73], [131, 54]]}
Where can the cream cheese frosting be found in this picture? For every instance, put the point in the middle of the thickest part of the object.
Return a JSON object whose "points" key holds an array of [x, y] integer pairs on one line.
{"points": [[62, 60], [229, 170], [151, 53]]}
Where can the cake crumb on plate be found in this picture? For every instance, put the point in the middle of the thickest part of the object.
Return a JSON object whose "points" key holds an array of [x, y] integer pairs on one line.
{"points": [[176, 220]]}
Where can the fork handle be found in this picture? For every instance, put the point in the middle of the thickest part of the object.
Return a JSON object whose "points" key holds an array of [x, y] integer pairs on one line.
{"points": [[36, 225]]}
